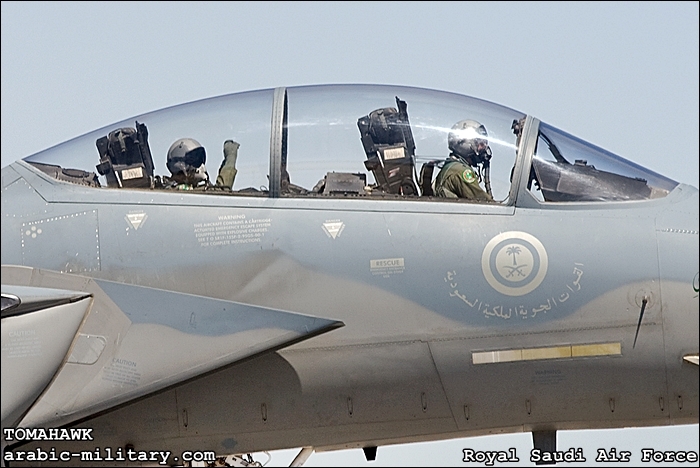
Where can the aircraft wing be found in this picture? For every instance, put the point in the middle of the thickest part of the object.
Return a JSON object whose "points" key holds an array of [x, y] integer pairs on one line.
{"points": [[38, 327], [75, 345]]}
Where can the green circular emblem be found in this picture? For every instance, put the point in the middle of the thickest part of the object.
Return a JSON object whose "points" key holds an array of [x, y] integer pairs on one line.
{"points": [[468, 176]]}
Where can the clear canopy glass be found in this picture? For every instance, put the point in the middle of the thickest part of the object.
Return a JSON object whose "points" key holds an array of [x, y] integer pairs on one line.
{"points": [[360, 141]]}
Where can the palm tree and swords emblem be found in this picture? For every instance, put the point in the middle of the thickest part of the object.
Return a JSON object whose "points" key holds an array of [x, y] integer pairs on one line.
{"points": [[514, 263], [514, 251]]}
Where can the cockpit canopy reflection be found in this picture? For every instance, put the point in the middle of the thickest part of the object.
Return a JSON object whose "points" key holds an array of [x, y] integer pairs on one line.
{"points": [[349, 141]]}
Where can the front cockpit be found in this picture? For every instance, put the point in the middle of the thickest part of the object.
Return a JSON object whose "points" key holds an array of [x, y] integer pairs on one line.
{"points": [[352, 142], [568, 169]]}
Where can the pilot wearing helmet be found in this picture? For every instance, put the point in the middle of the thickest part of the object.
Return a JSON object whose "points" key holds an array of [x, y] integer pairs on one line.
{"points": [[186, 158], [469, 148]]}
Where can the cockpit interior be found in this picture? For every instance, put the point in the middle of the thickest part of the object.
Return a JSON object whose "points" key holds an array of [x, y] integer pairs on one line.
{"points": [[352, 142]]}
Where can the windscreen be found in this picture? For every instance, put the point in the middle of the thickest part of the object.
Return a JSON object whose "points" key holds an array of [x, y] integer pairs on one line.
{"points": [[568, 169]]}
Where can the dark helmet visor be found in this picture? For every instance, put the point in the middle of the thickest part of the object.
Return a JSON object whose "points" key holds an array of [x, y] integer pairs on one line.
{"points": [[195, 157]]}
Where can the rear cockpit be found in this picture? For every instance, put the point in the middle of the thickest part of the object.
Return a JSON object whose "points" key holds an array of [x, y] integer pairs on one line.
{"points": [[350, 141]]}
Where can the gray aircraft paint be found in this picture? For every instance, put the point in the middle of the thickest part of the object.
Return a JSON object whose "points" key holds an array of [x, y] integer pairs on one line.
{"points": [[422, 286]]}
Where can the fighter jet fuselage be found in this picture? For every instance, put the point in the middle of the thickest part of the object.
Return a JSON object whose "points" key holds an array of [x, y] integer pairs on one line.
{"points": [[330, 297]]}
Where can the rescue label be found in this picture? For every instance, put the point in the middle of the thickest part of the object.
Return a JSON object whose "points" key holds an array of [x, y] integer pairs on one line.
{"points": [[386, 266]]}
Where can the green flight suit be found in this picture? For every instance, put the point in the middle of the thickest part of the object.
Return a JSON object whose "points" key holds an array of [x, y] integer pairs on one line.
{"points": [[458, 180], [228, 171]]}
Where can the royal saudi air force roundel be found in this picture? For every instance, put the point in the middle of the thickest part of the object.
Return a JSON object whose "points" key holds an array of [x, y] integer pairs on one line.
{"points": [[514, 263]]}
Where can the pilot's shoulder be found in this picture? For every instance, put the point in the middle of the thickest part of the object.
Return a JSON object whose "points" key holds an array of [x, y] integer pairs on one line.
{"points": [[454, 166], [467, 174]]}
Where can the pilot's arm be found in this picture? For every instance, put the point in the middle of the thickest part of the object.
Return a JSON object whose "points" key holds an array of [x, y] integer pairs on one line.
{"points": [[459, 181], [228, 171], [467, 186]]}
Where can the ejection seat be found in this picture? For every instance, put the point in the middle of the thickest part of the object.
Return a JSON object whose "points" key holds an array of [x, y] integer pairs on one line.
{"points": [[125, 158], [388, 142]]}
